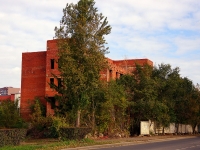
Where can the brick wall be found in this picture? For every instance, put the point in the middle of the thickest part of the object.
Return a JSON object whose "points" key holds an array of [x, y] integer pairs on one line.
{"points": [[129, 64], [52, 54], [33, 77], [5, 97], [119, 67]]}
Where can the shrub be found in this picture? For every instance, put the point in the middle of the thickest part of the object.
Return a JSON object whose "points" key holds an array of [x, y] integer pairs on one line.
{"points": [[9, 115], [39, 123], [44, 126], [37, 119], [56, 124], [74, 133], [47, 127], [11, 136]]}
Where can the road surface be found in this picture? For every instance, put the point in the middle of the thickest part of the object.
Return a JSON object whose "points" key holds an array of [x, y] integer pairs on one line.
{"points": [[179, 144]]}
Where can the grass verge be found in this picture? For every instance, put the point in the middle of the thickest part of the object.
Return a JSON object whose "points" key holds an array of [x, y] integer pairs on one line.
{"points": [[52, 145]]}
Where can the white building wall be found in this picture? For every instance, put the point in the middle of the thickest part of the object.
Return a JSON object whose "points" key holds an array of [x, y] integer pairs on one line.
{"points": [[148, 127]]}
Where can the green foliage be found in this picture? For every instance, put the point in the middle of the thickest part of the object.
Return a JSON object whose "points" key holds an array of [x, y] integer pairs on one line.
{"points": [[167, 83], [110, 113], [156, 93], [74, 133], [182, 96], [141, 92], [97, 97], [192, 115], [23, 147], [37, 107], [38, 121], [45, 126], [117, 100], [103, 117], [45, 144], [11, 136], [56, 124], [81, 54], [159, 94], [9, 115]]}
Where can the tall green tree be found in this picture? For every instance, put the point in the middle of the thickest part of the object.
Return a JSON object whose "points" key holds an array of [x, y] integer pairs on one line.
{"points": [[144, 97], [140, 88], [183, 92], [192, 109], [167, 79], [117, 100], [81, 49], [110, 109]]}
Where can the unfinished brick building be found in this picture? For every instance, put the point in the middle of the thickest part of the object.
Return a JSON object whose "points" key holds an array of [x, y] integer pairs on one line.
{"points": [[37, 69]]}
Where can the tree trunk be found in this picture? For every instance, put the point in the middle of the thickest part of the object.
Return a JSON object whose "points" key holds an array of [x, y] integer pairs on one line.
{"points": [[163, 131], [193, 128], [78, 118], [177, 128], [93, 119], [93, 115]]}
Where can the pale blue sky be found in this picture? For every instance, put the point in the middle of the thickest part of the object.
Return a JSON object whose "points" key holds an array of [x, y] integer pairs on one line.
{"points": [[164, 31]]}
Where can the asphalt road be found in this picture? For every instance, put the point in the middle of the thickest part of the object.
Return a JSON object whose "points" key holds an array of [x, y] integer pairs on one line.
{"points": [[175, 144]]}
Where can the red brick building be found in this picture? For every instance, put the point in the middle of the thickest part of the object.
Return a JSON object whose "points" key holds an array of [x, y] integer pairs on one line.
{"points": [[7, 97], [13, 97], [37, 69]]}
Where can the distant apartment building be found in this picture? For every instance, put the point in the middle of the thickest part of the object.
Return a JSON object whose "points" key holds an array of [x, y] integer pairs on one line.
{"points": [[9, 90], [38, 67]]}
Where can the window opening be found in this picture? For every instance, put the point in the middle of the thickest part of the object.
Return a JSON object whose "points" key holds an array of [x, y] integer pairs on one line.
{"points": [[51, 82], [52, 63], [53, 102], [110, 74]]}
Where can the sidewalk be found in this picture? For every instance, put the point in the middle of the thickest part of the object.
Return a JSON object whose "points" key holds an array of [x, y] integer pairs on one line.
{"points": [[104, 143]]}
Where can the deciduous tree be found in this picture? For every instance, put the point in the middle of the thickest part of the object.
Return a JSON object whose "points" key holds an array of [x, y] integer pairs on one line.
{"points": [[81, 48]]}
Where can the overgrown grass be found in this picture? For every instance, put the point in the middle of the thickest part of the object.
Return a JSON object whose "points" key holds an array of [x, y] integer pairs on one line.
{"points": [[43, 145], [22, 147]]}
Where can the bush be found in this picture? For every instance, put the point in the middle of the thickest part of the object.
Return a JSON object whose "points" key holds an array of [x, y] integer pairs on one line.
{"points": [[38, 120], [9, 115], [56, 124], [11, 136], [44, 127], [47, 127], [40, 129], [74, 133]]}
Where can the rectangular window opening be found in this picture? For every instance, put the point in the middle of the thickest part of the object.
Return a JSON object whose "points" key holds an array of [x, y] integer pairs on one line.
{"points": [[53, 102], [110, 74], [52, 63], [51, 82]]}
